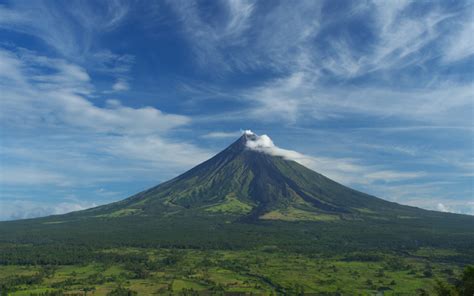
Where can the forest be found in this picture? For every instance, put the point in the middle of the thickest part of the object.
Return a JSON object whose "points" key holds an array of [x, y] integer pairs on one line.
{"points": [[26, 269]]}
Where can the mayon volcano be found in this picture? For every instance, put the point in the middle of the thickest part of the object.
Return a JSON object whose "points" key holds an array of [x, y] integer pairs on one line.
{"points": [[249, 193], [251, 180]]}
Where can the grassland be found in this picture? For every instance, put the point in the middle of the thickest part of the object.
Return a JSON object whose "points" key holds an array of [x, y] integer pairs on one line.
{"points": [[265, 271], [293, 214]]}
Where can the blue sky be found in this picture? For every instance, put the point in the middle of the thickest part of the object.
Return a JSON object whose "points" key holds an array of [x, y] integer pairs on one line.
{"points": [[102, 99]]}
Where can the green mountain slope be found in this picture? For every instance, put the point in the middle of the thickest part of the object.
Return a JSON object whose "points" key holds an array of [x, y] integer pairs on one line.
{"points": [[254, 185], [245, 197]]}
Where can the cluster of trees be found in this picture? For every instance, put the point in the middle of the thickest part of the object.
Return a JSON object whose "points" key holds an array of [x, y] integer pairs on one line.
{"points": [[189, 231], [463, 287], [139, 265], [10, 283], [63, 254], [50, 254], [122, 291], [119, 291]]}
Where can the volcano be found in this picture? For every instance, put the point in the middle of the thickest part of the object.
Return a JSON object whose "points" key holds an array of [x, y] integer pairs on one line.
{"points": [[248, 182], [248, 194]]}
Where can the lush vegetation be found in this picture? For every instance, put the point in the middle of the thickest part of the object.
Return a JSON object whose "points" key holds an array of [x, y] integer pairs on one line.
{"points": [[132, 271], [145, 255]]}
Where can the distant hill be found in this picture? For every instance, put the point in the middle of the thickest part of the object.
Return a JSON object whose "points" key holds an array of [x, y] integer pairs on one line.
{"points": [[246, 197]]}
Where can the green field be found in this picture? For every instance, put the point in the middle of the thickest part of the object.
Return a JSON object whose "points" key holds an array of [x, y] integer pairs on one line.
{"points": [[262, 272]]}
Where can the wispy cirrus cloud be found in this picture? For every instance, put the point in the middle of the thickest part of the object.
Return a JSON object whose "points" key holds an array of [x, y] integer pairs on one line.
{"points": [[222, 135], [308, 56], [28, 176], [243, 41], [461, 44], [72, 36], [291, 97], [209, 37]]}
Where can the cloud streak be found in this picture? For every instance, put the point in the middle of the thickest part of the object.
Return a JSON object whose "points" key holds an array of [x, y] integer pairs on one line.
{"points": [[222, 135], [72, 36], [21, 209]]}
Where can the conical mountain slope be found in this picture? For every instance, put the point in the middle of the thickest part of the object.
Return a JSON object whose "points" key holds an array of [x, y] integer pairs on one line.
{"points": [[247, 182]]}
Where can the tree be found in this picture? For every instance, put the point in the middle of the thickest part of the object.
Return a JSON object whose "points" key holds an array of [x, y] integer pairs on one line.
{"points": [[87, 289], [422, 292], [3, 290], [121, 291], [465, 287], [443, 289]]}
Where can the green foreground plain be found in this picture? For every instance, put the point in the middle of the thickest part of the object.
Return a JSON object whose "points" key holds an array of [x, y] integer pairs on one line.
{"points": [[259, 272]]}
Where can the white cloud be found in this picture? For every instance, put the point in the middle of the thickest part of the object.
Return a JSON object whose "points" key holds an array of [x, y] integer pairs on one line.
{"points": [[263, 143], [221, 135], [157, 152], [280, 99], [25, 209], [443, 194], [73, 35], [402, 36], [304, 57], [30, 176], [65, 207], [208, 37], [60, 98], [444, 205], [117, 118], [285, 37], [297, 96], [120, 85], [239, 11], [107, 62], [72, 31], [10, 67], [460, 45], [214, 38], [442, 208]]}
